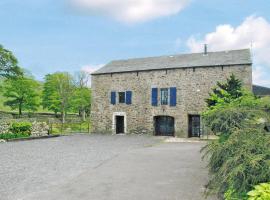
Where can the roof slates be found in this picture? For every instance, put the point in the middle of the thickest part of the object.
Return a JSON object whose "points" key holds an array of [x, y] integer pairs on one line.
{"points": [[221, 58]]}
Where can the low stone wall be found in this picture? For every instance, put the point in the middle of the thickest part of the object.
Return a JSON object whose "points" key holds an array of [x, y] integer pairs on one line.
{"points": [[38, 128], [4, 127]]}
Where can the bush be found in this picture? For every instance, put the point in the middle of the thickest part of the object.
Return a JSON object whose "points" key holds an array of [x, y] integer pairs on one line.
{"points": [[239, 163], [260, 192], [7, 136], [240, 158], [21, 127], [243, 112]]}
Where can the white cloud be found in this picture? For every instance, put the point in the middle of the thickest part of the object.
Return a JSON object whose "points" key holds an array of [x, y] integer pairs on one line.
{"points": [[91, 68], [254, 30], [131, 11]]}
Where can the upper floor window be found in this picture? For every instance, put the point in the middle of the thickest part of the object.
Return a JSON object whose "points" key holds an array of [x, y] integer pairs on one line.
{"points": [[122, 97], [164, 95]]}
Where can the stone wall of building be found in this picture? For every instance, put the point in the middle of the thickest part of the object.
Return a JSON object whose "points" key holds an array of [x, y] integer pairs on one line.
{"points": [[193, 87]]}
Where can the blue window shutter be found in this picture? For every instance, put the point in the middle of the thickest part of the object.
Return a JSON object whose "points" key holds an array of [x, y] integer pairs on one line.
{"points": [[113, 98], [128, 97], [154, 96], [173, 96]]}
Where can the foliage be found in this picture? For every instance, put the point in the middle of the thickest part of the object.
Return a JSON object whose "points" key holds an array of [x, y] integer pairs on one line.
{"points": [[8, 136], [240, 158], [21, 127], [242, 112], [240, 162], [22, 94], [260, 192], [8, 64], [57, 93], [81, 101], [225, 92], [230, 195]]}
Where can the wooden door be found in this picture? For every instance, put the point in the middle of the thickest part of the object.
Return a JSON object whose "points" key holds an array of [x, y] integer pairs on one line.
{"points": [[194, 126], [120, 126], [164, 126]]}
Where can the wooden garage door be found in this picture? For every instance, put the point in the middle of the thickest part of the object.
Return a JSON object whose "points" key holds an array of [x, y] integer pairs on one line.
{"points": [[164, 126]]}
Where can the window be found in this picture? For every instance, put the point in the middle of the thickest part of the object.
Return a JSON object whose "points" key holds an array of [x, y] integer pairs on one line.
{"points": [[164, 93], [122, 97]]}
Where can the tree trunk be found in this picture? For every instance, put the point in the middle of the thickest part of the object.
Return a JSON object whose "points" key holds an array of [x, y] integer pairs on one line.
{"points": [[83, 115], [20, 109], [55, 114], [63, 114]]}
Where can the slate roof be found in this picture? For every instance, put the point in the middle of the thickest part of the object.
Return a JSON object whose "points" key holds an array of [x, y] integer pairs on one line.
{"points": [[260, 90], [221, 58]]}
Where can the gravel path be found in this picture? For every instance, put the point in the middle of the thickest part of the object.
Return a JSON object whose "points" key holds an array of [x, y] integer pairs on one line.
{"points": [[102, 167], [31, 166]]}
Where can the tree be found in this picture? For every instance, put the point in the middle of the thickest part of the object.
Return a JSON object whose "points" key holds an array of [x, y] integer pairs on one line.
{"points": [[81, 101], [225, 92], [8, 64], [22, 94], [57, 93], [239, 159]]}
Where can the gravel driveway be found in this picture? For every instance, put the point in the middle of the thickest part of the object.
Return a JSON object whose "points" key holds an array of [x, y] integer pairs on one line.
{"points": [[101, 167]]}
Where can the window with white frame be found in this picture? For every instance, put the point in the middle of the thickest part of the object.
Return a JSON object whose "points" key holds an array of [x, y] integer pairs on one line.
{"points": [[164, 96]]}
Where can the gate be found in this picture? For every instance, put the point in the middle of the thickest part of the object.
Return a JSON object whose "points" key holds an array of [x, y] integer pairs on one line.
{"points": [[164, 126]]}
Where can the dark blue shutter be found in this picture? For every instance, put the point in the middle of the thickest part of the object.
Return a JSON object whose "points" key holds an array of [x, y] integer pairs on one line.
{"points": [[113, 98], [128, 97], [173, 96], [154, 96]]}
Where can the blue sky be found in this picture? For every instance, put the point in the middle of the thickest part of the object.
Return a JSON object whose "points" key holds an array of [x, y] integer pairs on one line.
{"points": [[70, 35]]}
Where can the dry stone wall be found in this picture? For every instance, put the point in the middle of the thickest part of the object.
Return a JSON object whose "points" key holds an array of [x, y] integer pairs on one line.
{"points": [[38, 128]]}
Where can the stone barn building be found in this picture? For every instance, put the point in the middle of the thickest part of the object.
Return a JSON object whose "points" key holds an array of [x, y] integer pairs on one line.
{"points": [[162, 95]]}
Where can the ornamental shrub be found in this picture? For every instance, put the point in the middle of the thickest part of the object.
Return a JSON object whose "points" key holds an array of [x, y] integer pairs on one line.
{"points": [[7, 136], [21, 127], [246, 111], [260, 192], [239, 163]]}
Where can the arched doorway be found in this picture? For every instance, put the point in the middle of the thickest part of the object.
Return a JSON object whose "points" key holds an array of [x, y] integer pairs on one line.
{"points": [[164, 125]]}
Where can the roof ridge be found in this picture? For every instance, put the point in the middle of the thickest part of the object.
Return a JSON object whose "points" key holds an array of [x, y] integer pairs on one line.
{"points": [[181, 54]]}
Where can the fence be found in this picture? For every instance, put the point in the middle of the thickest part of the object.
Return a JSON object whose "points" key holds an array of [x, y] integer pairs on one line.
{"points": [[70, 127]]}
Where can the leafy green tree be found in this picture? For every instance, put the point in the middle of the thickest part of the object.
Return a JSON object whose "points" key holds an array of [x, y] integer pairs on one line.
{"points": [[225, 92], [239, 159], [81, 101], [242, 112], [8, 64], [22, 94], [57, 93]]}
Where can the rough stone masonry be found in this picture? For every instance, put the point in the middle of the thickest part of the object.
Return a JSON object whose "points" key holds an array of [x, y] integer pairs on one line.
{"points": [[192, 75]]}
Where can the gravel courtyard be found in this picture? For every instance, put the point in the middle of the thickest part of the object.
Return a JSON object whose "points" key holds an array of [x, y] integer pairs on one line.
{"points": [[100, 167]]}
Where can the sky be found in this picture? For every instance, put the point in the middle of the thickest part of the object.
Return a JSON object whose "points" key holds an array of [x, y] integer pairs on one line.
{"points": [[72, 35]]}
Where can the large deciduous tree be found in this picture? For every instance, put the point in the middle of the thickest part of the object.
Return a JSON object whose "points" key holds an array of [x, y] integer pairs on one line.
{"points": [[22, 94], [81, 101], [8, 64], [57, 93]]}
